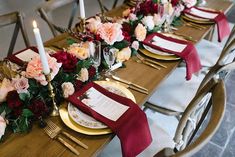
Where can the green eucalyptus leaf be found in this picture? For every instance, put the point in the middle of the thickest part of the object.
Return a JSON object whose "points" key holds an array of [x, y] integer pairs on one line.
{"points": [[70, 41], [24, 96], [120, 45], [5, 108], [27, 113]]}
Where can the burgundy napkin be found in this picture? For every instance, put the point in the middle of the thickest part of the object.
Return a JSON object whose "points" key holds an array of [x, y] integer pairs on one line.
{"points": [[132, 127], [189, 53], [220, 19], [18, 61]]}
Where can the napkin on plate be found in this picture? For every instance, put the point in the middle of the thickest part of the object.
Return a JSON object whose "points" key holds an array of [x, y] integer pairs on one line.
{"points": [[181, 48], [23, 56], [218, 17], [131, 127]]}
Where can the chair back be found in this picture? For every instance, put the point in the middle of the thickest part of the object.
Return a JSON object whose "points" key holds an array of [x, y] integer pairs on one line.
{"points": [[104, 8], [184, 147], [49, 6], [17, 19]]}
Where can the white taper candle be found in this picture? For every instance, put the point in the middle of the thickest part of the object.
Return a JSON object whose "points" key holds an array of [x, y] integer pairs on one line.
{"points": [[44, 61], [82, 9]]}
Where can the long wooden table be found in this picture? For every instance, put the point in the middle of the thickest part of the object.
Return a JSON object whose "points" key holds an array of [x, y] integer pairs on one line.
{"points": [[38, 144]]}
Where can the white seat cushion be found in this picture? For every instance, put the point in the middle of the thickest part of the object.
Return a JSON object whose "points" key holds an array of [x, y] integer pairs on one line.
{"points": [[208, 52], [175, 93], [161, 139]]}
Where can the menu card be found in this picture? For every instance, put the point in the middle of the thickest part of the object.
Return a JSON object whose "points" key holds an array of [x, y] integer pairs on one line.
{"points": [[26, 55], [103, 105], [167, 44]]}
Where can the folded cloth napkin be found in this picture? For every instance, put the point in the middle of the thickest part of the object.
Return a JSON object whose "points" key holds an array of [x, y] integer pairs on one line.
{"points": [[132, 127], [23, 56], [181, 48], [220, 19]]}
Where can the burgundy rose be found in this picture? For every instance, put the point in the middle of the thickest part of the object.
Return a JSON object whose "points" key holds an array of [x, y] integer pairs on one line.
{"points": [[78, 85], [13, 100], [126, 31], [68, 61], [91, 72], [39, 108], [174, 2], [147, 7]]}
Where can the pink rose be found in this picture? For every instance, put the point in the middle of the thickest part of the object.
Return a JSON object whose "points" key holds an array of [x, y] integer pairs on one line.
{"points": [[84, 75], [133, 17], [5, 87], [189, 3], [81, 51], [135, 45], [21, 84], [93, 24], [3, 125], [34, 69], [123, 55], [140, 32], [110, 32], [68, 89]]}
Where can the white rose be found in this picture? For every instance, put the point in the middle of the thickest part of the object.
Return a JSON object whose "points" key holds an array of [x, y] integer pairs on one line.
{"points": [[148, 22], [2, 126], [84, 75], [124, 54], [135, 45], [68, 89]]}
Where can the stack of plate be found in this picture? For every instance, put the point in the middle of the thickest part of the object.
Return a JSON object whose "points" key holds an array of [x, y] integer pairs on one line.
{"points": [[83, 123]]}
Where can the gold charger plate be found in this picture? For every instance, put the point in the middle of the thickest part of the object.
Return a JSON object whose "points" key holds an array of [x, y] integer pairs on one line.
{"points": [[197, 20], [88, 131], [160, 57]]}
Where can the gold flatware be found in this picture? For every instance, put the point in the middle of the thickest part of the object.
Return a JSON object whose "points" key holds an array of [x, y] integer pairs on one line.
{"points": [[185, 36], [50, 132], [149, 60], [146, 63], [192, 24], [128, 82], [58, 130], [128, 86]]}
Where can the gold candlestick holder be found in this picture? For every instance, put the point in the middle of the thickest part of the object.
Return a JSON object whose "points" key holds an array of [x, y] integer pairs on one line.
{"points": [[55, 111]]}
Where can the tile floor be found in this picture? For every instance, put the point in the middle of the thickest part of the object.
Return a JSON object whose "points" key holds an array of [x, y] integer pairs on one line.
{"points": [[221, 145]]}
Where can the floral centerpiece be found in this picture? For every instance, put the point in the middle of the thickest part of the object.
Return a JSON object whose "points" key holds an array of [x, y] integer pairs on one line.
{"points": [[24, 97]]}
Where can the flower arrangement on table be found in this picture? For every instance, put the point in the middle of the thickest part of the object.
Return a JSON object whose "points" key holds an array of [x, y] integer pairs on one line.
{"points": [[24, 94], [24, 97]]}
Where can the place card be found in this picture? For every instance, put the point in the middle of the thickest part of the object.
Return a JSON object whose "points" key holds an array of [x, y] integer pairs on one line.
{"points": [[26, 55], [168, 45], [102, 104]]}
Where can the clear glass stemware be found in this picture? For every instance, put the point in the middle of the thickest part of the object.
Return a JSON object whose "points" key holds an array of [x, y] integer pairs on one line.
{"points": [[109, 56], [95, 54]]}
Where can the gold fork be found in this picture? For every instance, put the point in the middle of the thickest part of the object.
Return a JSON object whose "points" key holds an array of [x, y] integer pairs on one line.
{"points": [[54, 135], [58, 130]]}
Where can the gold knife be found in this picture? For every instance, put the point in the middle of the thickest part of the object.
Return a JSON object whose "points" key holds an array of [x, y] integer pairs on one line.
{"points": [[128, 82]]}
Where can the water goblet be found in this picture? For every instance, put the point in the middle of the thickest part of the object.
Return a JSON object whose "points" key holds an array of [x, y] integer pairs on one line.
{"points": [[95, 54], [109, 56]]}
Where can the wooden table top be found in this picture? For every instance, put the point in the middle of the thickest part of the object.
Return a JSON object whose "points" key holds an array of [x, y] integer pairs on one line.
{"points": [[38, 144]]}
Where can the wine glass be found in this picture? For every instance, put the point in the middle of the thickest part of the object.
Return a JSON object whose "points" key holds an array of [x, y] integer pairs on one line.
{"points": [[109, 56], [95, 54], [169, 16]]}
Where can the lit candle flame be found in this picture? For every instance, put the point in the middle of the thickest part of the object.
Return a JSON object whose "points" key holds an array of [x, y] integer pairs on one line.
{"points": [[34, 24]]}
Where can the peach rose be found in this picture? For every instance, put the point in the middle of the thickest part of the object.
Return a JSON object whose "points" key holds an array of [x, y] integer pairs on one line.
{"points": [[110, 32], [78, 50], [21, 84], [84, 75], [3, 125], [123, 55], [68, 89], [140, 32], [5, 87], [34, 69], [93, 24]]}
